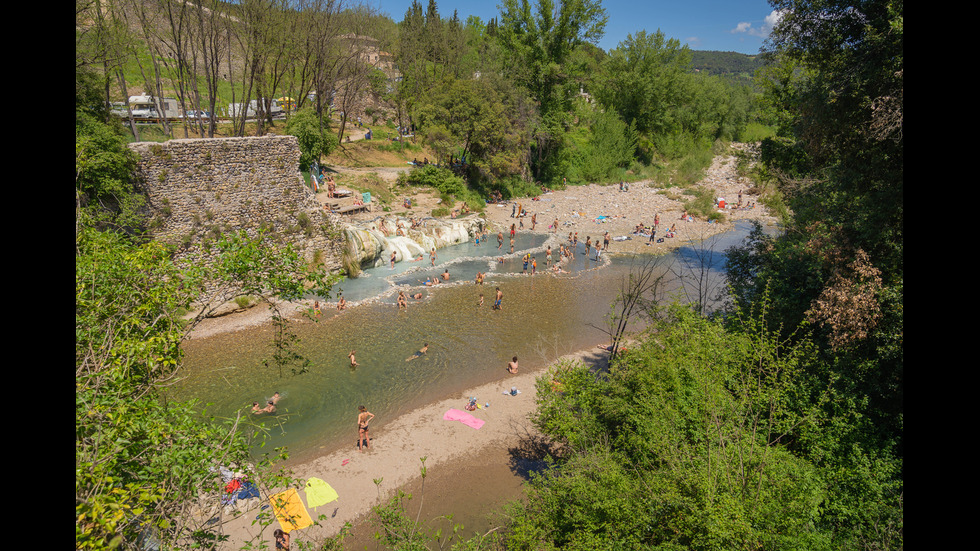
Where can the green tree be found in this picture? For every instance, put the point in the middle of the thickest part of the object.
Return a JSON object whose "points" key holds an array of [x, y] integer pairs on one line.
{"points": [[602, 144], [104, 165], [485, 121], [538, 45], [836, 91], [684, 444], [313, 133], [643, 80]]}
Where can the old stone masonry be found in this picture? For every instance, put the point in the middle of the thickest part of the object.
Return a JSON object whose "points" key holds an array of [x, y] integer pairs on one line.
{"points": [[198, 189]]}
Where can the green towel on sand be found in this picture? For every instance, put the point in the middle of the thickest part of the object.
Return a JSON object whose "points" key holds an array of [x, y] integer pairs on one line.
{"points": [[319, 493]]}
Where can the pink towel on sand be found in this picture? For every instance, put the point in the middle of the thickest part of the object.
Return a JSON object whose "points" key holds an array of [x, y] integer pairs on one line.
{"points": [[463, 417]]}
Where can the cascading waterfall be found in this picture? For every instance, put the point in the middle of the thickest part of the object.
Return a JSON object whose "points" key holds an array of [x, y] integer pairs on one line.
{"points": [[370, 246]]}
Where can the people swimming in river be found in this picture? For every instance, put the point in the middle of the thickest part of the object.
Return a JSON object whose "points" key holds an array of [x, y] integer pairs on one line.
{"points": [[512, 366], [402, 301], [418, 354], [500, 297], [269, 407]]}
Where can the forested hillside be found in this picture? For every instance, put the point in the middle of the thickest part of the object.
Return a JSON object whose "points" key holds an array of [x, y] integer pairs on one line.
{"points": [[725, 63], [775, 423]]}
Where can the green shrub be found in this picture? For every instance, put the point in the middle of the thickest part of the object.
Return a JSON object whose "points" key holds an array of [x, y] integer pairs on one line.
{"points": [[440, 179], [315, 139]]}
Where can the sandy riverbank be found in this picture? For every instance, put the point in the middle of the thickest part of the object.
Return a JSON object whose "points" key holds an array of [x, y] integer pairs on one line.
{"points": [[591, 211], [448, 446]]}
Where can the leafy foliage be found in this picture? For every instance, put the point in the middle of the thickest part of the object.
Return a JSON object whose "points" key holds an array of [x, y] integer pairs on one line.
{"points": [[313, 133], [103, 168], [139, 458], [682, 445]]}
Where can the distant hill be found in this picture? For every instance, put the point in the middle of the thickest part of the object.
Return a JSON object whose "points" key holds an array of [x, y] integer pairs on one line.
{"points": [[724, 63], [739, 67]]}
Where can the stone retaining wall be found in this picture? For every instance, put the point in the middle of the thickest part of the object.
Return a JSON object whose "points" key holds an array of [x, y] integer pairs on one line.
{"points": [[200, 188]]}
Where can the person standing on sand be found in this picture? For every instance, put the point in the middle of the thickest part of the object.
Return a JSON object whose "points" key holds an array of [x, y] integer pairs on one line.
{"points": [[363, 418]]}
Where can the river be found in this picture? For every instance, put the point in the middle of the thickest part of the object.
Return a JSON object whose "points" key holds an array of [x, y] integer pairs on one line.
{"points": [[542, 317]]}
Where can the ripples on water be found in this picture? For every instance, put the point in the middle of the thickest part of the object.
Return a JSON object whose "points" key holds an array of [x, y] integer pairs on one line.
{"points": [[543, 317]]}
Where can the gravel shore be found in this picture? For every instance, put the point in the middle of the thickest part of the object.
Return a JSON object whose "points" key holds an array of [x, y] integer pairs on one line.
{"points": [[593, 210]]}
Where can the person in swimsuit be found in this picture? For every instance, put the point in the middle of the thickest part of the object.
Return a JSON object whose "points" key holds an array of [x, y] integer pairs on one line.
{"points": [[353, 362], [363, 418], [269, 407], [418, 354], [500, 296], [282, 539], [512, 366]]}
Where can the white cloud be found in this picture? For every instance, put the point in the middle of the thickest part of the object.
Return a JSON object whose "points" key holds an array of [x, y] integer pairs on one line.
{"points": [[762, 31]]}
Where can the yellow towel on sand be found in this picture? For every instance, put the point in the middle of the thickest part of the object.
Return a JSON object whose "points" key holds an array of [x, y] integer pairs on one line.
{"points": [[290, 510], [319, 493]]}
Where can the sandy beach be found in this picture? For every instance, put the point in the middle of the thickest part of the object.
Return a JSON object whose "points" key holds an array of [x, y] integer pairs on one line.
{"points": [[451, 446]]}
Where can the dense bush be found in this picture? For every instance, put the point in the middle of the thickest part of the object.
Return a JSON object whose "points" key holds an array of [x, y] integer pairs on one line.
{"points": [[315, 138]]}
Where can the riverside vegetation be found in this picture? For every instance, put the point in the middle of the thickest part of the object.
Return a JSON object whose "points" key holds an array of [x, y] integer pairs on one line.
{"points": [[776, 422]]}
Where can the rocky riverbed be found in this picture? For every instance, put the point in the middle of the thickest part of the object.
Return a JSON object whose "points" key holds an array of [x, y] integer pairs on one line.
{"points": [[593, 210]]}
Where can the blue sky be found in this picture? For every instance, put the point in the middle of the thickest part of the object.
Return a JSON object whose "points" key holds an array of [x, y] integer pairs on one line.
{"points": [[734, 25]]}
